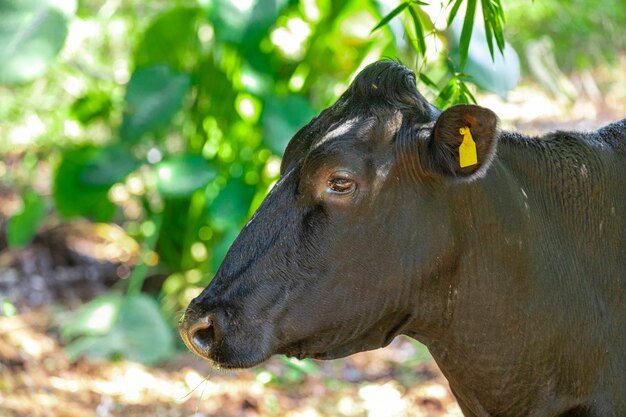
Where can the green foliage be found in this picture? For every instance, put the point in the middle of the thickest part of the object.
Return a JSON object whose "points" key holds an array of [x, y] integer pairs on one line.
{"points": [[395, 12], [588, 33], [282, 117], [7, 309], [108, 165], [181, 175], [493, 20], [419, 30], [73, 196], [498, 73], [117, 326], [468, 27], [153, 95], [184, 109], [460, 49], [243, 28], [91, 106], [231, 204], [32, 33], [295, 370], [455, 91], [176, 48], [21, 227]]}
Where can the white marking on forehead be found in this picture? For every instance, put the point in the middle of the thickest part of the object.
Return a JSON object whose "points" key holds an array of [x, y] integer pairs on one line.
{"points": [[395, 123], [383, 169], [340, 130]]}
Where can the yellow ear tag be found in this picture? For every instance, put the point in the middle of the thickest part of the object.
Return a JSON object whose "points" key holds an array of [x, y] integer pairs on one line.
{"points": [[467, 150]]}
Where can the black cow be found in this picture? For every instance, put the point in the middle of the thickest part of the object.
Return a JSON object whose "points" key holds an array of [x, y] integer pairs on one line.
{"points": [[506, 257]]}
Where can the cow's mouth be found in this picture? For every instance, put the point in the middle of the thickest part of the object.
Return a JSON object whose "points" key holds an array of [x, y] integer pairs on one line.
{"points": [[223, 359]]}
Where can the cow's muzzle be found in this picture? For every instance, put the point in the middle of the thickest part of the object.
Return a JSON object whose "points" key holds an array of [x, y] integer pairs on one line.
{"points": [[199, 334]]}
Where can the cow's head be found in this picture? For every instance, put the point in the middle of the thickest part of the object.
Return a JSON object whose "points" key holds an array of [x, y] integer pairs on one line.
{"points": [[348, 249]]}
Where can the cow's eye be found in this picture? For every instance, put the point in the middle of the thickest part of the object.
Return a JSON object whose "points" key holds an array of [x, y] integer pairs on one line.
{"points": [[341, 185]]}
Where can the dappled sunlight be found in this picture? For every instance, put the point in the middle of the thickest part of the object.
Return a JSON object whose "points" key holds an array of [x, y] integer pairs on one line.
{"points": [[530, 108], [382, 400], [37, 380], [291, 38], [18, 337]]}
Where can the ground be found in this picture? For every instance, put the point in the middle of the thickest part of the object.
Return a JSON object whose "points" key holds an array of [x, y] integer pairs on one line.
{"points": [[49, 276], [37, 380]]}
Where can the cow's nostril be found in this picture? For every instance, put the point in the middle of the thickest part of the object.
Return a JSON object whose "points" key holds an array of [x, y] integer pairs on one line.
{"points": [[202, 334]]}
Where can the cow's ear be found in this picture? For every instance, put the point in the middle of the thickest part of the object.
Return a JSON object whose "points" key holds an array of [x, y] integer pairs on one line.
{"points": [[463, 141]]}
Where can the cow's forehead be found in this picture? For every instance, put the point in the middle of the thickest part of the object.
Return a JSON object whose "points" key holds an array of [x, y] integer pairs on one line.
{"points": [[362, 128]]}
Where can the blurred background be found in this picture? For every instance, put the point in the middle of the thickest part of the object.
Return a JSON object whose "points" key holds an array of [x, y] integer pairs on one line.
{"points": [[136, 138]]}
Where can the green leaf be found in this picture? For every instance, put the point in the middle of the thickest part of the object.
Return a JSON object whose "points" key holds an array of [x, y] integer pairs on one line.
{"points": [[115, 326], [488, 36], [498, 31], [390, 16], [493, 19], [282, 118], [445, 97], [419, 31], [221, 248], [232, 204], [91, 106], [96, 318], [498, 74], [72, 196], [430, 83], [466, 94], [171, 38], [181, 175], [454, 10], [243, 26], [109, 165], [304, 366], [7, 308], [32, 33], [466, 33], [22, 227], [216, 94], [153, 95]]}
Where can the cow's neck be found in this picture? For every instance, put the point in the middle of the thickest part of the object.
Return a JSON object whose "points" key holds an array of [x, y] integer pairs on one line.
{"points": [[510, 230]]}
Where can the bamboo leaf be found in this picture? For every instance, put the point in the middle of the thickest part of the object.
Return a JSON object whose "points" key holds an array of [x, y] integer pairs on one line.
{"points": [[466, 33], [419, 31], [497, 7], [493, 18], [454, 10], [499, 34], [466, 93], [430, 83], [446, 96], [488, 31], [390, 16]]}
